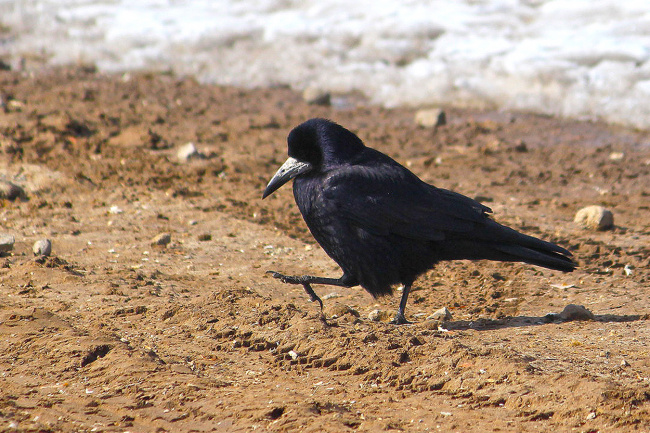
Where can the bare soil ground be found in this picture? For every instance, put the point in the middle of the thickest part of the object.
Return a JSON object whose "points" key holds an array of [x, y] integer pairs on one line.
{"points": [[112, 334]]}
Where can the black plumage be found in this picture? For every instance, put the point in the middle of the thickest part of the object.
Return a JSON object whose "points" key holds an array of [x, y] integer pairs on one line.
{"points": [[382, 224]]}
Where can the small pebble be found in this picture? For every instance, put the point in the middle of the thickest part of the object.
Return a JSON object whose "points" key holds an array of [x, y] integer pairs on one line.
{"points": [[379, 316], [592, 415], [616, 156], [595, 218], [6, 242], [188, 152], [316, 96], [521, 147], [429, 118], [628, 270], [442, 314], [576, 312], [42, 247], [624, 363], [14, 105], [562, 286], [11, 191], [433, 325], [161, 239], [340, 310]]}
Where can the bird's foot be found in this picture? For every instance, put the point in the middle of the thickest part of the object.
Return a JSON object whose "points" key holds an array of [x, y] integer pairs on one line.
{"points": [[294, 279], [288, 279], [399, 319]]}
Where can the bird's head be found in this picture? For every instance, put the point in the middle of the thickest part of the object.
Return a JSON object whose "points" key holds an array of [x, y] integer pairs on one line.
{"points": [[315, 146]]}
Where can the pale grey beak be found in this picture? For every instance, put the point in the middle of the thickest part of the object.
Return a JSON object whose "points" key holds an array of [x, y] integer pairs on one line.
{"points": [[290, 169]]}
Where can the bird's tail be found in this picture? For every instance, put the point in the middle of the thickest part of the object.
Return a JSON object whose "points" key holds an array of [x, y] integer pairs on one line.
{"points": [[545, 258], [498, 242]]}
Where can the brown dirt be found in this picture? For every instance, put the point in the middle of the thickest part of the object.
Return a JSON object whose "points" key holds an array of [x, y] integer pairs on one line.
{"points": [[114, 334]]}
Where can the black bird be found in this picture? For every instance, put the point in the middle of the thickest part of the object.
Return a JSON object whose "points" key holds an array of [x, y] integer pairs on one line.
{"points": [[382, 224]]}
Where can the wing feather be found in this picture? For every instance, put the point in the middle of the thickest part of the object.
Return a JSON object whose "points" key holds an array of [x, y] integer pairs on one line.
{"points": [[388, 199]]}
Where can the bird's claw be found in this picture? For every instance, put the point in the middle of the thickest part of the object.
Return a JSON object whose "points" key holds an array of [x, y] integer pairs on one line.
{"points": [[399, 319], [312, 295], [287, 279]]}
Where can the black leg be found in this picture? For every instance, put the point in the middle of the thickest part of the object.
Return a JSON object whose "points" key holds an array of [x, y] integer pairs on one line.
{"points": [[344, 281], [400, 318], [307, 280]]}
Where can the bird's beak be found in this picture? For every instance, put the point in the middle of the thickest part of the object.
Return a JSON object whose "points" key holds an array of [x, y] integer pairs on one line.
{"points": [[290, 169]]}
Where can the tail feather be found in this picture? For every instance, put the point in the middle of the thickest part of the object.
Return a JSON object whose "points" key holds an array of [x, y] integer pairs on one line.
{"points": [[502, 234], [497, 242], [528, 249], [544, 258]]}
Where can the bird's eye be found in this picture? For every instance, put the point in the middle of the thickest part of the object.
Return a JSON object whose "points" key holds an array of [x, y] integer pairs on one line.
{"points": [[306, 153]]}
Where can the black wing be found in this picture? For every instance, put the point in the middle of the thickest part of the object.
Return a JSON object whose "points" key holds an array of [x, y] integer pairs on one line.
{"points": [[389, 199]]}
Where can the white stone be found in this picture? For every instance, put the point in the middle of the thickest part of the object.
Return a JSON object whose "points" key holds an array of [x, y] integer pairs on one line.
{"points": [[595, 217], [161, 239], [429, 118], [42, 247], [6, 242], [316, 96], [616, 156], [379, 316], [442, 314], [188, 152]]}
